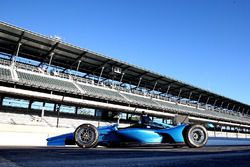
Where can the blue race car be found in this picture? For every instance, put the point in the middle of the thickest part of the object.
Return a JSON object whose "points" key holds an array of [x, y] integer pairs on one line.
{"points": [[153, 133]]}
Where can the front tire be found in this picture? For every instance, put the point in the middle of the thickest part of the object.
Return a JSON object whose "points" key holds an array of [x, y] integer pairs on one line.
{"points": [[86, 136], [195, 136]]}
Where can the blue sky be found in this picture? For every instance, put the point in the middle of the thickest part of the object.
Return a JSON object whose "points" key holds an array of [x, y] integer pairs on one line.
{"points": [[202, 42]]}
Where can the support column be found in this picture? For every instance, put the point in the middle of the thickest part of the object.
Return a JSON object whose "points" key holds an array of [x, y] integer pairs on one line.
{"points": [[214, 104], [51, 57], [1, 101], [100, 75], [58, 106], [17, 52], [179, 93], [54, 110], [127, 116], [238, 131], [190, 94], [42, 113], [154, 86], [139, 83], [233, 108], [122, 78], [78, 65], [198, 101], [76, 109], [167, 92], [207, 100], [221, 104], [152, 92], [30, 104]]}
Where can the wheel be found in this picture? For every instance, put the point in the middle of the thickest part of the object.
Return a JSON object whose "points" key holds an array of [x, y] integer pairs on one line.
{"points": [[86, 136], [195, 136]]}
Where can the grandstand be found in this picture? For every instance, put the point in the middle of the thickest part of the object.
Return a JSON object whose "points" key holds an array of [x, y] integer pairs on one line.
{"points": [[43, 80]]}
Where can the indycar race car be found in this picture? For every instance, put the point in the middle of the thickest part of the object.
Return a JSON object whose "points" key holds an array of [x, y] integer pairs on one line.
{"points": [[154, 133]]}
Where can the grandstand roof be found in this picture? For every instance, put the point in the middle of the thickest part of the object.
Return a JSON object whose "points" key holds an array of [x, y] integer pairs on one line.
{"points": [[40, 48]]}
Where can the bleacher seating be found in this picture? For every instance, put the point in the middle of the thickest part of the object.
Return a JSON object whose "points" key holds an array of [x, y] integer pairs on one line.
{"points": [[196, 111], [5, 74], [166, 104], [47, 82], [140, 100], [101, 92], [5, 62], [107, 92], [26, 67]]}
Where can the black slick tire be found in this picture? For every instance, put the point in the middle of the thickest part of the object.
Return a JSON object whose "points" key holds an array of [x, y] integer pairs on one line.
{"points": [[195, 136], [86, 136]]}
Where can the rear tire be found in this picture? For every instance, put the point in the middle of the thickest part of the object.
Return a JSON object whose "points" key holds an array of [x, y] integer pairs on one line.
{"points": [[195, 136], [86, 136]]}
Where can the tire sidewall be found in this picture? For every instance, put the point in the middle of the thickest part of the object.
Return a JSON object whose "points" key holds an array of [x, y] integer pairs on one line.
{"points": [[93, 143], [189, 141]]}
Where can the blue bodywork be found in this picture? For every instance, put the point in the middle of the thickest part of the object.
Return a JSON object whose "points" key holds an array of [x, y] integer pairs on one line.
{"points": [[156, 133]]}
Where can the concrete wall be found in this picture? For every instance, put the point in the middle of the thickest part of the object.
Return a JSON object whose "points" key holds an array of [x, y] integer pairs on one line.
{"points": [[228, 135], [223, 141], [29, 130], [27, 135]]}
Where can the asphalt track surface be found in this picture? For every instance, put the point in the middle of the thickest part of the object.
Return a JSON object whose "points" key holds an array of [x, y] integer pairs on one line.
{"points": [[230, 156]]}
